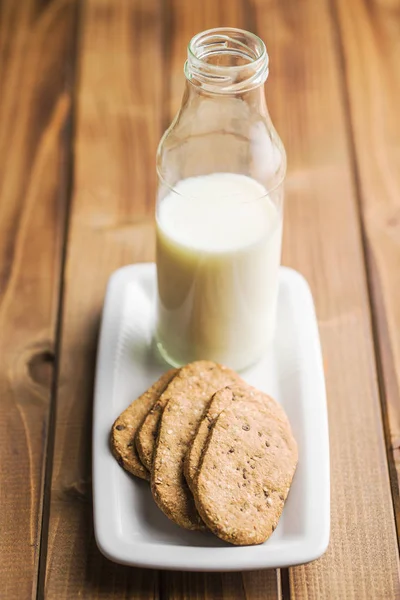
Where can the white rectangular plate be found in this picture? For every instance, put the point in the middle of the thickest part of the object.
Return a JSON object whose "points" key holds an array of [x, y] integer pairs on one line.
{"points": [[129, 527]]}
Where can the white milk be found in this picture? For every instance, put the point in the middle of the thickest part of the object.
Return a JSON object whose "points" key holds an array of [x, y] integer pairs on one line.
{"points": [[218, 255]]}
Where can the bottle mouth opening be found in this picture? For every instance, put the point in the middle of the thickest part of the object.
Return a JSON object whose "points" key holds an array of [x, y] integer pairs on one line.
{"points": [[226, 60]]}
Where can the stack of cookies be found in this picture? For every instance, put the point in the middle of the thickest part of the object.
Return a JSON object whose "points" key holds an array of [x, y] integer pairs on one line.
{"points": [[220, 455]]}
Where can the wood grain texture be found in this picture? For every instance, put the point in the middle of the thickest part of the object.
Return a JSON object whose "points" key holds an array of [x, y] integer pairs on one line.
{"points": [[371, 51], [131, 57], [323, 240], [111, 224], [252, 585], [35, 109]]}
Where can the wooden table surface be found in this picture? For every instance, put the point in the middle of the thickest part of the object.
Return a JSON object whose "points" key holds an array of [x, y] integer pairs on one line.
{"points": [[86, 90]]}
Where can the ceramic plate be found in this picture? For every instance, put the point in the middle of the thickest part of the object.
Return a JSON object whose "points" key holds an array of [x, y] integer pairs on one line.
{"points": [[129, 527]]}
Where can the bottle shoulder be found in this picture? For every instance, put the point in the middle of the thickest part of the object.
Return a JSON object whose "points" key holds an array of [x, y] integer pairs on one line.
{"points": [[215, 134]]}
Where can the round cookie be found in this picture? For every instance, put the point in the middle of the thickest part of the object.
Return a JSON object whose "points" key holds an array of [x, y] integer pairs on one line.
{"points": [[246, 469], [124, 429]]}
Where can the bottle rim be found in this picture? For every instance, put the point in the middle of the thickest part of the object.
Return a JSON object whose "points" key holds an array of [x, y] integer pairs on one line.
{"points": [[239, 44]]}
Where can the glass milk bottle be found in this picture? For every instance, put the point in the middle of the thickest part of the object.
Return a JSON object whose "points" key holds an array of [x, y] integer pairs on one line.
{"points": [[221, 167]]}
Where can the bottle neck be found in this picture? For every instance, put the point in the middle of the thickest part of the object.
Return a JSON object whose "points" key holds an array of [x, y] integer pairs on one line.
{"points": [[227, 61], [250, 102]]}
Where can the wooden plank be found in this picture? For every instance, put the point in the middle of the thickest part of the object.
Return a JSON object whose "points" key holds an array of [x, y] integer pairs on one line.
{"points": [[252, 585], [323, 240], [119, 103], [184, 23], [36, 55], [371, 48], [118, 128]]}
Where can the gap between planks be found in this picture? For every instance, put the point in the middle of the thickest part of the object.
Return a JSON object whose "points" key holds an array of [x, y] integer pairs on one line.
{"points": [[68, 172]]}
